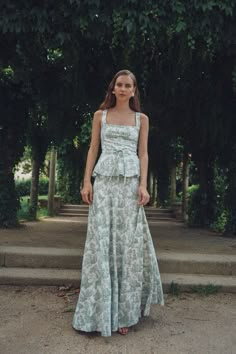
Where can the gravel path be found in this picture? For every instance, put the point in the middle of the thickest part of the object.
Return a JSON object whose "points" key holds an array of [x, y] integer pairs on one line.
{"points": [[37, 320]]}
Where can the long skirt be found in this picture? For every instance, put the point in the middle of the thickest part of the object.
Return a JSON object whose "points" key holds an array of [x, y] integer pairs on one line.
{"points": [[120, 274]]}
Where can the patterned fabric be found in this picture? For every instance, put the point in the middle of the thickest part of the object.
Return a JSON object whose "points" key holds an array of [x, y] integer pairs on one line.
{"points": [[119, 149], [120, 275]]}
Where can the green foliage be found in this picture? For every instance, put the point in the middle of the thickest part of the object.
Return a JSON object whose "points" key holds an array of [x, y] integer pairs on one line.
{"points": [[23, 186], [24, 212], [172, 150], [174, 289], [220, 211], [195, 201], [13, 118], [230, 193], [71, 162], [9, 202], [25, 163], [56, 61], [197, 208], [205, 290], [220, 223], [43, 186], [70, 173]]}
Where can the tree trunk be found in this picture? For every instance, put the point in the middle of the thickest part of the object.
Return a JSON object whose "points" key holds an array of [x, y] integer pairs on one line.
{"points": [[51, 190], [34, 189], [173, 184], [185, 183], [9, 202], [203, 192], [154, 189], [149, 185]]}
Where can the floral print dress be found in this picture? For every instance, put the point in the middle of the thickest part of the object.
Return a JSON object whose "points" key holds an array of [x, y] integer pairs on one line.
{"points": [[120, 274]]}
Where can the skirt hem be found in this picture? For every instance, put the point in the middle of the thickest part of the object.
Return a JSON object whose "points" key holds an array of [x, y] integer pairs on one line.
{"points": [[132, 323]]}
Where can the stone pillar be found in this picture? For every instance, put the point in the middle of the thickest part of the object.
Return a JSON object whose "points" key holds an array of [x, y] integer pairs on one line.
{"points": [[51, 189]]}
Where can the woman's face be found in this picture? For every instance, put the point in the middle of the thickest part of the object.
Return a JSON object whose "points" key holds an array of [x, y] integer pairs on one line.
{"points": [[124, 87]]}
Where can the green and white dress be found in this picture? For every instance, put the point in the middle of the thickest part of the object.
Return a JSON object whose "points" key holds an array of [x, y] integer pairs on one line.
{"points": [[120, 274]]}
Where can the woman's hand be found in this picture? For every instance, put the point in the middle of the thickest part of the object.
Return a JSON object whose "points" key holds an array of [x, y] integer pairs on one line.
{"points": [[143, 196], [87, 193]]}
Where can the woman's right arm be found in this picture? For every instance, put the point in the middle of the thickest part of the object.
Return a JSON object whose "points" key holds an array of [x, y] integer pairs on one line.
{"points": [[87, 190]]}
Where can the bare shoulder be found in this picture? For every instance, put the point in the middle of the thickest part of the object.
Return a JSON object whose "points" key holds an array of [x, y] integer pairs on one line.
{"points": [[144, 119], [143, 116], [98, 112], [98, 116]]}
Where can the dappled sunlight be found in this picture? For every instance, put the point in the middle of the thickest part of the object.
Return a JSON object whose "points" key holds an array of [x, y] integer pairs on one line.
{"points": [[69, 220]]}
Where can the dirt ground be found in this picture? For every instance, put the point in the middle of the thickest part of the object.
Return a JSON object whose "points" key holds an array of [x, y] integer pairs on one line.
{"points": [[37, 320]]}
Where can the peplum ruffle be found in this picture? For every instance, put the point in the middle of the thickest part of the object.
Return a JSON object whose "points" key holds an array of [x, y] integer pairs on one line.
{"points": [[120, 163]]}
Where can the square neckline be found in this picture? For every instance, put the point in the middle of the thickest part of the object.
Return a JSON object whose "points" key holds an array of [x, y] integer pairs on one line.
{"points": [[121, 125]]}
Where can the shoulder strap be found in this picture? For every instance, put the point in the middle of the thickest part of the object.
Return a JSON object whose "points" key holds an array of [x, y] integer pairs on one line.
{"points": [[137, 115], [104, 115]]}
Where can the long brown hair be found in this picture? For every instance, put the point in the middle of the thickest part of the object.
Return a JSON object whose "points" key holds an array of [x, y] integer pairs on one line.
{"points": [[110, 99]]}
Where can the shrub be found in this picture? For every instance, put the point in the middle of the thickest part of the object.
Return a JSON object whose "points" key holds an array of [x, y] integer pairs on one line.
{"points": [[23, 186], [43, 186], [194, 205], [220, 223]]}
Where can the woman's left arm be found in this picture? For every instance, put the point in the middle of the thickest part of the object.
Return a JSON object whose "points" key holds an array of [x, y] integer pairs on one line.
{"points": [[143, 157]]}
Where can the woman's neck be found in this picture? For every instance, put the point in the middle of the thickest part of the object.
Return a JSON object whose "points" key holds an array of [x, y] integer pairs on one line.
{"points": [[122, 107]]}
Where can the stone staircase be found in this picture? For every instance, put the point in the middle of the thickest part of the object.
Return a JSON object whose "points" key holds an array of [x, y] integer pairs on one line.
{"points": [[54, 266], [152, 213]]}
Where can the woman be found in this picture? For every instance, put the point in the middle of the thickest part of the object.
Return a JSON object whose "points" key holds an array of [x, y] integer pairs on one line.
{"points": [[120, 275]]}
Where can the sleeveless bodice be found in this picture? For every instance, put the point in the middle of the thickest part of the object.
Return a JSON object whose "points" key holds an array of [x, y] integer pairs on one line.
{"points": [[119, 149]]}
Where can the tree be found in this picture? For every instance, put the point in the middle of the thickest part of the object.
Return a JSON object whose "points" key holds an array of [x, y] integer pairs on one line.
{"points": [[13, 113], [183, 54]]}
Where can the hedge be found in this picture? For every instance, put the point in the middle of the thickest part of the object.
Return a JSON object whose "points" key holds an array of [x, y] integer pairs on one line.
{"points": [[23, 186]]}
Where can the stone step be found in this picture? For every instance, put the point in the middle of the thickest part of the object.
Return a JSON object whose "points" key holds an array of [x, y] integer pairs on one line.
{"points": [[72, 214], [157, 212], [75, 205], [41, 257], [86, 210], [86, 207], [81, 210], [39, 276], [185, 282], [59, 277], [196, 263], [169, 262], [159, 217], [74, 211], [149, 217], [84, 214]]}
